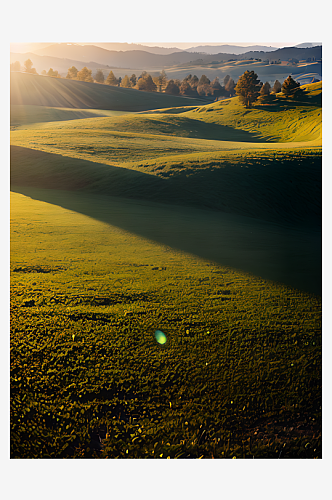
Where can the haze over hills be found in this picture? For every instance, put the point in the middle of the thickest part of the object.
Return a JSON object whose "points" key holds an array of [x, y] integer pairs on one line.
{"points": [[98, 57], [229, 49], [37, 90]]}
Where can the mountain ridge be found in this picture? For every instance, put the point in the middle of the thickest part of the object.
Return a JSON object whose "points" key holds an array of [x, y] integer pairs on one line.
{"points": [[137, 59]]}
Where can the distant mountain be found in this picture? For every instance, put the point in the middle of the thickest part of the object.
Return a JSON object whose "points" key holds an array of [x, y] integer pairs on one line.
{"points": [[59, 64], [60, 57], [229, 49], [307, 45], [124, 47], [102, 56]]}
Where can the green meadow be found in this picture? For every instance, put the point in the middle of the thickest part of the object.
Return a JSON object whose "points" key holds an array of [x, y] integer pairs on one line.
{"points": [[202, 221]]}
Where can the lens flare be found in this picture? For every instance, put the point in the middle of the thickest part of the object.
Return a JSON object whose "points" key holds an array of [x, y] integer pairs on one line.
{"points": [[160, 337]]}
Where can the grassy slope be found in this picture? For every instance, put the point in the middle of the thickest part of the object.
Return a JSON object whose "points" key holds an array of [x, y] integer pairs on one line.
{"points": [[240, 374], [238, 377], [59, 92], [204, 151], [265, 72], [22, 115]]}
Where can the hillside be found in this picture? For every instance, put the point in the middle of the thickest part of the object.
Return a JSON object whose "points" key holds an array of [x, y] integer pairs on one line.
{"points": [[192, 155], [200, 221], [39, 90]]}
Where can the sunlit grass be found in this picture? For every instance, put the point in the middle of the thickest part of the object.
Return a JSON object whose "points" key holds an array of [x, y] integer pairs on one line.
{"points": [[238, 376]]}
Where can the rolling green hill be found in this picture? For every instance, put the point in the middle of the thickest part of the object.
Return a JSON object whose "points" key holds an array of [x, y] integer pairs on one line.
{"points": [[203, 221], [196, 156], [58, 92]]}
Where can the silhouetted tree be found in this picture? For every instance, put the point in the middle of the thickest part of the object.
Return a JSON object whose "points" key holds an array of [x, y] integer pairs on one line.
{"points": [[265, 89], [133, 80], [72, 73], [291, 88], [204, 89], [99, 76], [52, 72], [146, 83], [172, 88], [162, 79], [247, 88], [85, 75], [111, 79], [187, 78], [230, 86], [28, 67], [15, 66], [186, 89], [157, 83], [194, 82], [43, 72], [265, 94], [276, 87], [125, 82], [204, 80], [216, 87], [227, 77]]}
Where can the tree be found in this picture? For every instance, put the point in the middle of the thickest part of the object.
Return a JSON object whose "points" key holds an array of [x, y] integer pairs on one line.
{"points": [[204, 89], [15, 66], [125, 82], [172, 88], [133, 80], [72, 73], [291, 88], [204, 80], [276, 87], [28, 67], [51, 72], [187, 78], [99, 76], [43, 72], [85, 75], [265, 93], [216, 87], [162, 79], [146, 83], [194, 82], [227, 77], [185, 88], [247, 88], [156, 82], [265, 89], [230, 86], [112, 80]]}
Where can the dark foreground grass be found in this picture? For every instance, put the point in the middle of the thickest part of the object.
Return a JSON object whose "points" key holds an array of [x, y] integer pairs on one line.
{"points": [[239, 375]]}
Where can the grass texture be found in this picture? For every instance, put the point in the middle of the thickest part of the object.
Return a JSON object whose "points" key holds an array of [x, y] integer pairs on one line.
{"points": [[239, 375], [202, 221]]}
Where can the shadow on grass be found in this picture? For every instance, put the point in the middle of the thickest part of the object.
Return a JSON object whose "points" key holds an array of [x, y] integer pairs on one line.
{"points": [[280, 252], [284, 104]]}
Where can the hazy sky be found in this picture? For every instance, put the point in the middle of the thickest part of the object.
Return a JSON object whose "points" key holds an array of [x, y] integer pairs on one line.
{"points": [[187, 45]]}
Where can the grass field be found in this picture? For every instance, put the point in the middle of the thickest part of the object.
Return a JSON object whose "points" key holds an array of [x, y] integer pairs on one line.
{"points": [[201, 221], [239, 374]]}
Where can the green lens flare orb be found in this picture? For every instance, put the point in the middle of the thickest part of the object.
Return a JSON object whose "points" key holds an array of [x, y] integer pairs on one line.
{"points": [[160, 337]]}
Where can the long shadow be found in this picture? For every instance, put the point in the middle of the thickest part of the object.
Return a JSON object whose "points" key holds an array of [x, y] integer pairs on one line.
{"points": [[198, 129], [282, 254]]}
